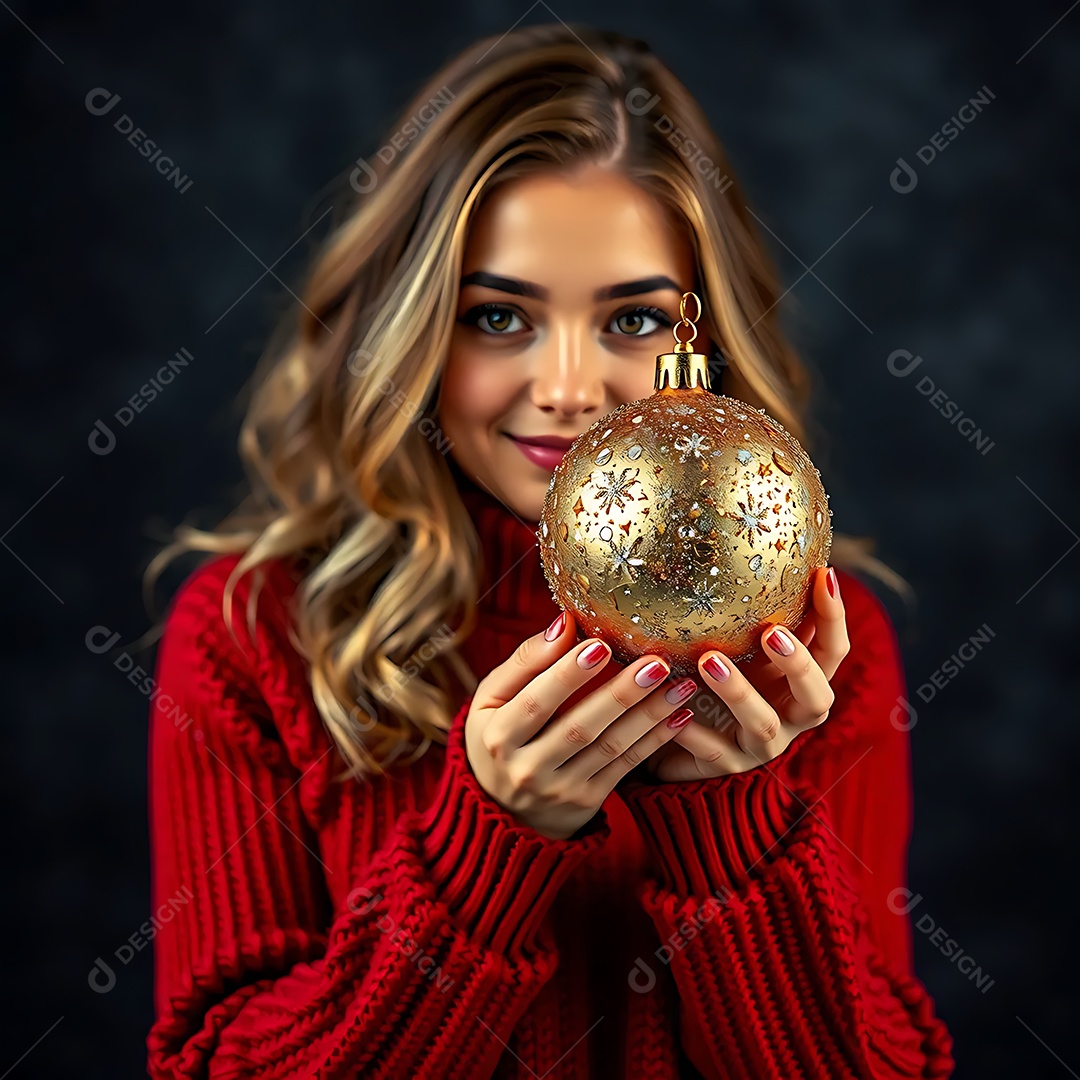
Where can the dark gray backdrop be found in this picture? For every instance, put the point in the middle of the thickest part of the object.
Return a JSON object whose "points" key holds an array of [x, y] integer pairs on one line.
{"points": [[969, 265]]}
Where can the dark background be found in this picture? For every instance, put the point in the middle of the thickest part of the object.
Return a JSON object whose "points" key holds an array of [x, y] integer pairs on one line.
{"points": [[110, 271]]}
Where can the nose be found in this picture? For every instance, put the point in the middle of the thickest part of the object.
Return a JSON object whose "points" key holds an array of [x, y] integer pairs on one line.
{"points": [[568, 378]]}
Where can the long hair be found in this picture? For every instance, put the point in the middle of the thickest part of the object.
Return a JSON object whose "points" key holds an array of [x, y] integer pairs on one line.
{"points": [[346, 481]]}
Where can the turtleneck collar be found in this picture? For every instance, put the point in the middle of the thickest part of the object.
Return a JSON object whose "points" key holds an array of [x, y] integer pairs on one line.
{"points": [[513, 589]]}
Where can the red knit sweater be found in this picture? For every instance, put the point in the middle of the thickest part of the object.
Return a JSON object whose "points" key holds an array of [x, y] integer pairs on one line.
{"points": [[410, 927]]}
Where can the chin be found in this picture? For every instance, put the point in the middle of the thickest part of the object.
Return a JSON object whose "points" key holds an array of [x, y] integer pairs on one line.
{"points": [[528, 502], [527, 510]]}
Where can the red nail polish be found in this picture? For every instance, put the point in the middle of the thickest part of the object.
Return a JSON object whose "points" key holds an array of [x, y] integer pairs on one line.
{"points": [[680, 719], [680, 691], [651, 673], [832, 583], [717, 668], [593, 654], [779, 642], [556, 628]]}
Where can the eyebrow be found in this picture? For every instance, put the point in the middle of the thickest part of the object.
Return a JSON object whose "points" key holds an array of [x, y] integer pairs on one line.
{"points": [[538, 292]]}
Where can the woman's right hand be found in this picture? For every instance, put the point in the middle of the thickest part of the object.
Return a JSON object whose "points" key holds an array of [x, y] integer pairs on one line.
{"points": [[552, 764]]}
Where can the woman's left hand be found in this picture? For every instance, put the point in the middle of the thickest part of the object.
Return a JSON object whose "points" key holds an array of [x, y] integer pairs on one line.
{"points": [[753, 722]]}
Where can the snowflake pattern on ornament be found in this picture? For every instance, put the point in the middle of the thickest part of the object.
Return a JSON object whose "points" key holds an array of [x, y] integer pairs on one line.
{"points": [[666, 492], [703, 600], [611, 490], [695, 444], [749, 519], [624, 557]]}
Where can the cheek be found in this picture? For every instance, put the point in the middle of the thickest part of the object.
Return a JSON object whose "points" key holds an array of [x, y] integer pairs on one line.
{"points": [[472, 397]]}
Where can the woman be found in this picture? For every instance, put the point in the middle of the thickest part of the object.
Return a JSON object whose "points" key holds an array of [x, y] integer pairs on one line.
{"points": [[426, 832]]}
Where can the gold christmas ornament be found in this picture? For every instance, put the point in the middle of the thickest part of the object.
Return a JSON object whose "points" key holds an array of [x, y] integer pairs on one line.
{"points": [[684, 521]]}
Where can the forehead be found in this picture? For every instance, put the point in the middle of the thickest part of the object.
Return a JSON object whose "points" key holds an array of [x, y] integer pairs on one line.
{"points": [[575, 232]]}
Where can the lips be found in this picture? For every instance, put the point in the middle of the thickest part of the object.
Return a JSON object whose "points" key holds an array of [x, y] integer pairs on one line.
{"points": [[555, 441], [545, 451]]}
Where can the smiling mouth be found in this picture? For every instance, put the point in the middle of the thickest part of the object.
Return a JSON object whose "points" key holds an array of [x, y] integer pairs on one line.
{"points": [[555, 442], [540, 451]]}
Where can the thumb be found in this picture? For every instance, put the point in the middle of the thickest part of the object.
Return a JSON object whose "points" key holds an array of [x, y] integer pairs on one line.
{"points": [[534, 655]]}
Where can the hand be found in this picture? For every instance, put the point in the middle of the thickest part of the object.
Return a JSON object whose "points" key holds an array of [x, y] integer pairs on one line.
{"points": [[759, 724], [548, 740]]}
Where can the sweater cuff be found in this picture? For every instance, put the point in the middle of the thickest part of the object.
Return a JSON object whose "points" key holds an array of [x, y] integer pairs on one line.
{"points": [[712, 836], [497, 876]]}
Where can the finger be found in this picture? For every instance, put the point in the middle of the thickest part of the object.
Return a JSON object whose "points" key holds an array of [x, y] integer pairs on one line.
{"points": [[812, 696], [759, 731], [762, 664], [577, 727], [632, 736], [606, 723], [527, 688], [659, 721], [707, 752], [830, 644]]}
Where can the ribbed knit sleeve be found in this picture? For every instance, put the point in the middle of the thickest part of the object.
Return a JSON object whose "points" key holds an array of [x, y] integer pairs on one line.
{"points": [[485, 865], [761, 919], [423, 971]]}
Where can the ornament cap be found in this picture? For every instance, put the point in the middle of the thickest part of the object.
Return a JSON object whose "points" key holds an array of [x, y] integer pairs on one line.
{"points": [[682, 371]]}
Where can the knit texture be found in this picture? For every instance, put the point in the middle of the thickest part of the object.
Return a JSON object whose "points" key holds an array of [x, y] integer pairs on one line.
{"points": [[737, 927]]}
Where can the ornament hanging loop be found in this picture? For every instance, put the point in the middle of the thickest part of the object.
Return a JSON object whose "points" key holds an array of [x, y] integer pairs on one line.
{"points": [[683, 345]]}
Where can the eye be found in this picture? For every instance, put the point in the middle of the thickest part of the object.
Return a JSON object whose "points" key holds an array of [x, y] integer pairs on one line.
{"points": [[493, 319], [639, 321]]}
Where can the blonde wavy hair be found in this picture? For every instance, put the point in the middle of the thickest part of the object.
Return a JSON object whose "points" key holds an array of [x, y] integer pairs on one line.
{"points": [[344, 482]]}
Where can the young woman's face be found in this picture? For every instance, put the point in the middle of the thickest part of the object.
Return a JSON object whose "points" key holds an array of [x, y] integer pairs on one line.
{"points": [[570, 286]]}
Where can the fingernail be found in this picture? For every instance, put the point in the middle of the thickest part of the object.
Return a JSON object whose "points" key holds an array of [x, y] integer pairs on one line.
{"points": [[779, 641], [556, 628], [717, 668], [680, 691], [651, 673], [832, 583], [680, 719], [592, 655]]}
